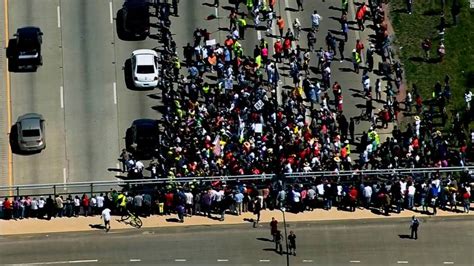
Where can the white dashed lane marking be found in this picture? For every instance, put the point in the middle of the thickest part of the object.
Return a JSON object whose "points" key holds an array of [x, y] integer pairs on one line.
{"points": [[448, 263], [111, 13], [58, 9], [402, 262], [354, 261], [135, 260], [180, 260], [264, 260], [307, 261], [222, 260]]}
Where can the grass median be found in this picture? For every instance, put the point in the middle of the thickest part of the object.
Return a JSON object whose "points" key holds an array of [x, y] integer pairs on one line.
{"points": [[458, 63]]}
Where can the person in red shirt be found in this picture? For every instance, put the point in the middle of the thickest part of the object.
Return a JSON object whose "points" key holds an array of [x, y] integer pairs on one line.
{"points": [[85, 204], [353, 193], [359, 48], [169, 197], [360, 15], [273, 228], [8, 207], [278, 47], [287, 47]]}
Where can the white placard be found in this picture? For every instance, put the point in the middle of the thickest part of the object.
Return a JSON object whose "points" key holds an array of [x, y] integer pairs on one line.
{"points": [[211, 42]]}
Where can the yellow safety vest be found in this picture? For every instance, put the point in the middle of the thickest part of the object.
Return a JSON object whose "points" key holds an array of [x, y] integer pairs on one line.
{"points": [[205, 89], [123, 200]]}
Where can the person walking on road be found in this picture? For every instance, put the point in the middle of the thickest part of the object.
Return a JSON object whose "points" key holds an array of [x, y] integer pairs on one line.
{"points": [[300, 5], [256, 210], [278, 245], [273, 228], [414, 227], [315, 20], [281, 25], [106, 217], [292, 245]]}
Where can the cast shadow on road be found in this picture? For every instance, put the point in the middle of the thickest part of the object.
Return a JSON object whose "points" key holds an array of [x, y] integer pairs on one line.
{"points": [[404, 236], [264, 239], [114, 170], [377, 211], [172, 220], [291, 9], [208, 4], [13, 138], [97, 226], [274, 250]]}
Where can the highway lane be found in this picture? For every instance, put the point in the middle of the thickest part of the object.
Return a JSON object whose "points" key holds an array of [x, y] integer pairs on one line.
{"points": [[363, 242], [40, 92], [131, 104], [89, 74]]}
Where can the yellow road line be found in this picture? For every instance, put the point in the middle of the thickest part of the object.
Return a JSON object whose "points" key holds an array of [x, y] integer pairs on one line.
{"points": [[9, 106]]}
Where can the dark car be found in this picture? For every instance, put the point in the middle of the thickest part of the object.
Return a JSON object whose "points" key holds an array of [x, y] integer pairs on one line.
{"points": [[24, 51], [142, 138], [136, 18]]}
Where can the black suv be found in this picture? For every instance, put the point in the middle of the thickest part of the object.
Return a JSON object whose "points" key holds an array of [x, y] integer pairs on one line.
{"points": [[134, 19], [24, 51], [142, 138]]}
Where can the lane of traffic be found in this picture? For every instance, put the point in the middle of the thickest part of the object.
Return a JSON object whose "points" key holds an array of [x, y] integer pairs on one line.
{"points": [[40, 92], [90, 112]]}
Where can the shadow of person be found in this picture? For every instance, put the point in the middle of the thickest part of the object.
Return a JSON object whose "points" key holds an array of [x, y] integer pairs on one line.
{"points": [[404, 236], [97, 226]]}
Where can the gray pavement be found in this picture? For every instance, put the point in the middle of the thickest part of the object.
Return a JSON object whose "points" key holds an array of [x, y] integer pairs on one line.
{"points": [[81, 89], [364, 242]]}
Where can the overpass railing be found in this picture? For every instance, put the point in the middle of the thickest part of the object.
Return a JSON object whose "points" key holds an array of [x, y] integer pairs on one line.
{"points": [[105, 186]]}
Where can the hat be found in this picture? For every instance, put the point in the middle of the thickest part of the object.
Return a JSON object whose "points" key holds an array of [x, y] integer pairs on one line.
{"points": [[346, 141], [417, 118], [337, 159]]}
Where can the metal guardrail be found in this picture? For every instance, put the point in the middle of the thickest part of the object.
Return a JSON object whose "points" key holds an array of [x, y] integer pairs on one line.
{"points": [[98, 186]]}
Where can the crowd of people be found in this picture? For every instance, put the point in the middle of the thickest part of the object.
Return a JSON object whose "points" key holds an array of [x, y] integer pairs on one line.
{"points": [[220, 198], [240, 125]]}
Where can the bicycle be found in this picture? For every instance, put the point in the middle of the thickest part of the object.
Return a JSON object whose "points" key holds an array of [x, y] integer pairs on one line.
{"points": [[132, 219]]}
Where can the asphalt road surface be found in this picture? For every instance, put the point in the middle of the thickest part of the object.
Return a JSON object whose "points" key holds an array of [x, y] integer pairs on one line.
{"points": [[81, 90], [442, 241]]}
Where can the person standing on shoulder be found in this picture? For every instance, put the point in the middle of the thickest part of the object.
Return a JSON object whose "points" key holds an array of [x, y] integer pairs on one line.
{"points": [[106, 216], [415, 223]]}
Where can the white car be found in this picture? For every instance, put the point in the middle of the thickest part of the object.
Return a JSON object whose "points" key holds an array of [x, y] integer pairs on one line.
{"points": [[145, 68]]}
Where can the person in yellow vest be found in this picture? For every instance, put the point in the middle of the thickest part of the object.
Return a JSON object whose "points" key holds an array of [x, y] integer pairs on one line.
{"points": [[258, 61], [249, 5], [242, 23], [356, 60], [205, 91], [176, 67], [122, 203]]}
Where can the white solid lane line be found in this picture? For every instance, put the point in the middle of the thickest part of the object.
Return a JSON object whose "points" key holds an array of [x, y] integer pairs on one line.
{"points": [[56, 262], [135, 260], [115, 93], [222, 260], [111, 13], [58, 9], [180, 260], [82, 261], [61, 95]]}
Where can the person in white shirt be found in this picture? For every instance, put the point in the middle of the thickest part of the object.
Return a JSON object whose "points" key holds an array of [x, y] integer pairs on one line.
{"points": [[411, 196], [189, 202], [41, 203], [106, 217], [93, 205], [100, 201], [296, 201], [367, 195], [315, 20], [34, 208]]}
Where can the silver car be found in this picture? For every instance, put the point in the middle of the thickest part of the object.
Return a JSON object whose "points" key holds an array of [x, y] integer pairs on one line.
{"points": [[31, 132]]}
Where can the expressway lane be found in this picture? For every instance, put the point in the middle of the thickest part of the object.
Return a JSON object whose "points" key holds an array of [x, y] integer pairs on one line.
{"points": [[89, 75], [441, 241], [131, 104], [40, 92]]}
